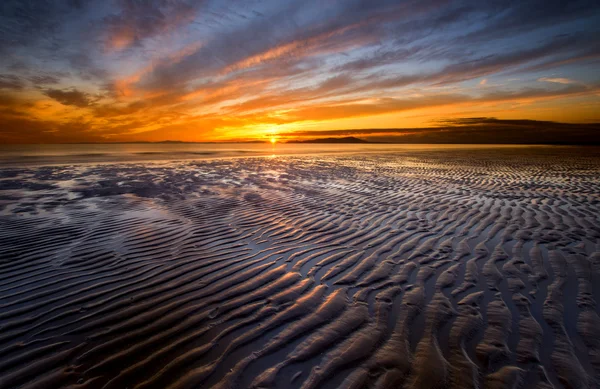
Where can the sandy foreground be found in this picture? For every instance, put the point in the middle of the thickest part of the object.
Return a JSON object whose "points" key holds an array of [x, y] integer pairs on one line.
{"points": [[437, 269]]}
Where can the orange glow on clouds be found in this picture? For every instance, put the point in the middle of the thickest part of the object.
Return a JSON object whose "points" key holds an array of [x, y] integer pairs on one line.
{"points": [[190, 71]]}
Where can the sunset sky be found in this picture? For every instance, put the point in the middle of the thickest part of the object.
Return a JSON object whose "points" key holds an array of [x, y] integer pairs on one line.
{"points": [[135, 70]]}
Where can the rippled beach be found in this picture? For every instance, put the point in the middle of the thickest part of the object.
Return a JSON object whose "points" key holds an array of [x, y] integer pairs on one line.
{"points": [[372, 267]]}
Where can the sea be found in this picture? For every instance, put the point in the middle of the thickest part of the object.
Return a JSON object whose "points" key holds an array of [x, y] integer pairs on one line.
{"points": [[59, 154]]}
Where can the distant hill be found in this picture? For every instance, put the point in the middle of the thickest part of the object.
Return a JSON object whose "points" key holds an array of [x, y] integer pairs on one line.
{"points": [[348, 139]]}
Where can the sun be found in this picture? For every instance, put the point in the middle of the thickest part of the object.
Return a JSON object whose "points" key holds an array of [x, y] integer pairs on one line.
{"points": [[273, 140]]}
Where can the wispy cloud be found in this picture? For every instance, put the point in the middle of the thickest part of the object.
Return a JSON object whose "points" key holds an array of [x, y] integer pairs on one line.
{"points": [[202, 70], [11, 81], [557, 80]]}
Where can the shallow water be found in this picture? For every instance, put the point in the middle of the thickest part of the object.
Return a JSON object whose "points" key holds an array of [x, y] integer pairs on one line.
{"points": [[420, 267], [53, 154]]}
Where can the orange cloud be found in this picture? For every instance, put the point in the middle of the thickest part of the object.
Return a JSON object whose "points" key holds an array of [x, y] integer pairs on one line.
{"points": [[311, 46], [120, 39], [557, 80]]}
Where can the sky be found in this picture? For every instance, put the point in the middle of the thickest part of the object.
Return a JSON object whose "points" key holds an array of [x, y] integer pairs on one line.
{"points": [[207, 70]]}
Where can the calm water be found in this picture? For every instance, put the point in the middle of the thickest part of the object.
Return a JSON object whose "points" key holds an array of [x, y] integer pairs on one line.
{"points": [[18, 155]]}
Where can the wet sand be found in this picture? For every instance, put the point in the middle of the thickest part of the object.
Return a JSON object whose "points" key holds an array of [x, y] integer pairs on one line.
{"points": [[416, 269]]}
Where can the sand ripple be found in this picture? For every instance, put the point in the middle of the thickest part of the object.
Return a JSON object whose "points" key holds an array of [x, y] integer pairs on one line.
{"points": [[438, 269]]}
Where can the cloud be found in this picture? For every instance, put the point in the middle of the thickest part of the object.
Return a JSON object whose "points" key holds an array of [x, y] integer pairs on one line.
{"points": [[280, 39], [19, 129], [11, 82], [141, 67], [477, 130], [557, 80], [70, 97], [491, 122], [22, 23], [353, 107], [43, 79], [506, 18], [138, 20]]}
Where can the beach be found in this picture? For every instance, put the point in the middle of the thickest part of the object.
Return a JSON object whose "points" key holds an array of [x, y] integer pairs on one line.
{"points": [[437, 267]]}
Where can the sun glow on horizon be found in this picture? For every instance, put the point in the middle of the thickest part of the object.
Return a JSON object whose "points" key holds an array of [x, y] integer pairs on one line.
{"points": [[109, 76]]}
